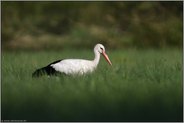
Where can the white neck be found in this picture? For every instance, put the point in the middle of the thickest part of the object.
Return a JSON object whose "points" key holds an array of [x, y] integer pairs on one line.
{"points": [[97, 58]]}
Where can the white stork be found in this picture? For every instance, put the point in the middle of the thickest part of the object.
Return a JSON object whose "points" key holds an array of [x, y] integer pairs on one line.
{"points": [[74, 66]]}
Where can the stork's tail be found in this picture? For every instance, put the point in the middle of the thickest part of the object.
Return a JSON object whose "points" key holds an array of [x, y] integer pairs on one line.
{"points": [[39, 72], [48, 70]]}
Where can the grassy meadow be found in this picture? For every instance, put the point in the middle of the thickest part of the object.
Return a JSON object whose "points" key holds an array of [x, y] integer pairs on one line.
{"points": [[142, 85]]}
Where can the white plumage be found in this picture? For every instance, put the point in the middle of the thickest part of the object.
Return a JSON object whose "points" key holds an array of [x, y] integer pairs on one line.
{"points": [[74, 66]]}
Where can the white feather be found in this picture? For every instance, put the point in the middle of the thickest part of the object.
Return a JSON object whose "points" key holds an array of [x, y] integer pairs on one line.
{"points": [[74, 66]]}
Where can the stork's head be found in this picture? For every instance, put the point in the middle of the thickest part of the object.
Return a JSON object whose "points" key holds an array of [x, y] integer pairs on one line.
{"points": [[101, 49]]}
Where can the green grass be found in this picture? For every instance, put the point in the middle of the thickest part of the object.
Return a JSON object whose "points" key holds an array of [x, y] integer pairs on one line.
{"points": [[142, 85]]}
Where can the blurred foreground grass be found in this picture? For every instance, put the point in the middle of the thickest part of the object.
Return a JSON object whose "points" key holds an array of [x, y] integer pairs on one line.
{"points": [[142, 85]]}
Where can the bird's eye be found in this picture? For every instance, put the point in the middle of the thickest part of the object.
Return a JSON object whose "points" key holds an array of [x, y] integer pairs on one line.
{"points": [[101, 48]]}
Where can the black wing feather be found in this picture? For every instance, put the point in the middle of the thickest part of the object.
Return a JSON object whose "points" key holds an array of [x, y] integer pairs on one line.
{"points": [[48, 70]]}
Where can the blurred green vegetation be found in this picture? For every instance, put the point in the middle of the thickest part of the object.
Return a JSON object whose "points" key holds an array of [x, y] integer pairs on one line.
{"points": [[120, 24], [142, 86]]}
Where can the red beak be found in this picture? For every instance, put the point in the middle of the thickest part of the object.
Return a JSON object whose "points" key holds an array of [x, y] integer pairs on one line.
{"points": [[106, 57]]}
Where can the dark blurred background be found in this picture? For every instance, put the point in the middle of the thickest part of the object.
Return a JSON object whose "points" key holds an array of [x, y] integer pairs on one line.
{"points": [[120, 24]]}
